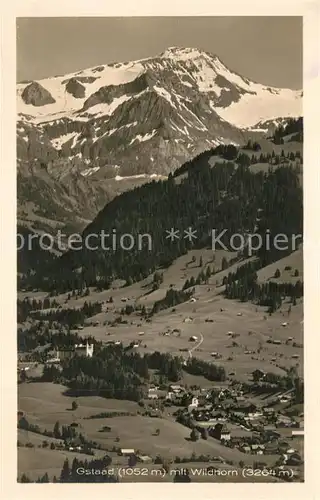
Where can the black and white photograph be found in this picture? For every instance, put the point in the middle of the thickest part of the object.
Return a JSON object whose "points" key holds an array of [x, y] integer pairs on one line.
{"points": [[160, 277]]}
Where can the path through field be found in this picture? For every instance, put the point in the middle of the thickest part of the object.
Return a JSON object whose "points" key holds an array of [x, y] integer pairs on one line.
{"points": [[196, 346]]}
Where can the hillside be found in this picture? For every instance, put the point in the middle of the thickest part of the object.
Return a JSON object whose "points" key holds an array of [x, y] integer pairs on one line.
{"points": [[218, 190], [76, 132]]}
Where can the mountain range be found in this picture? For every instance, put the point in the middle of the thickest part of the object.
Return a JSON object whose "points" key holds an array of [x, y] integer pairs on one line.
{"points": [[85, 137]]}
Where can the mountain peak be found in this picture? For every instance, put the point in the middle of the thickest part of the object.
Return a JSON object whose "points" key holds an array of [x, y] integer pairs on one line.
{"points": [[184, 53]]}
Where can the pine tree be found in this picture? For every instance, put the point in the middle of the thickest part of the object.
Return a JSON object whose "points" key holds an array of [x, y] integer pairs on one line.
{"points": [[224, 264], [194, 435], [56, 430], [74, 405], [208, 273], [277, 274], [65, 472], [24, 479]]}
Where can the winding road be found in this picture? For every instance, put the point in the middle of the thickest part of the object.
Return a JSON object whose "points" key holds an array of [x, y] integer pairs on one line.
{"points": [[196, 346]]}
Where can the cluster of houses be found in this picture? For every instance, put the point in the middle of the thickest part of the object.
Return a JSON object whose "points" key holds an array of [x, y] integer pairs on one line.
{"points": [[237, 421]]}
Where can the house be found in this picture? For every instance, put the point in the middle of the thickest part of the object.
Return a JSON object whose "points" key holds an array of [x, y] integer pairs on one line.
{"points": [[246, 449], [84, 350], [152, 395], [187, 320], [65, 353], [258, 449], [225, 434], [144, 459], [193, 338], [176, 388], [283, 420], [268, 410], [271, 448], [294, 459], [194, 403], [271, 432], [127, 452], [254, 415], [221, 432], [170, 395], [77, 350]]}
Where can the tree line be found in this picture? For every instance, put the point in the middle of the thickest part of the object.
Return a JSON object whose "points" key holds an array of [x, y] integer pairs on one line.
{"points": [[118, 372]]}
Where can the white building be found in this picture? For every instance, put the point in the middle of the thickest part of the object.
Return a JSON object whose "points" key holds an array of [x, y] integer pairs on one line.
{"points": [[194, 403], [76, 350]]}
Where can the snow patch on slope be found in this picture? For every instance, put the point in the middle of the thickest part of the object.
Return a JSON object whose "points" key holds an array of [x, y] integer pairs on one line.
{"points": [[251, 109], [59, 141], [103, 109], [139, 176], [65, 103], [89, 171], [164, 93], [143, 138]]}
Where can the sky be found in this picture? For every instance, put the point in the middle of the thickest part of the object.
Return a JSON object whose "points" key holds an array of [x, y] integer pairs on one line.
{"points": [[267, 50]]}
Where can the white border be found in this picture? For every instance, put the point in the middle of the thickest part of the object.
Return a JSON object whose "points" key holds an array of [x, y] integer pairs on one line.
{"points": [[59, 8]]}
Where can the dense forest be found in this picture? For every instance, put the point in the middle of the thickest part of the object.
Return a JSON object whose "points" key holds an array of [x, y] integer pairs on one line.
{"points": [[49, 310], [243, 285], [293, 128], [229, 196], [118, 372]]}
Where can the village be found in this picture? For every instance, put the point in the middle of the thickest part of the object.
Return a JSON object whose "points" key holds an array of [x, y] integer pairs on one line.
{"points": [[232, 403], [244, 428]]}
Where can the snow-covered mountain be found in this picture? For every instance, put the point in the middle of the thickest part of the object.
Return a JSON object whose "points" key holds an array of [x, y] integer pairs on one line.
{"points": [[140, 117]]}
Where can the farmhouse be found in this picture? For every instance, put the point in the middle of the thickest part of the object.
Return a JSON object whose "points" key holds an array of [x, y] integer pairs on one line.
{"points": [[176, 388], [152, 395], [187, 320], [127, 452]]}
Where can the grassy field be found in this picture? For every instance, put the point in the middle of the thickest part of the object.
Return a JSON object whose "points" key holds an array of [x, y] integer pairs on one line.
{"points": [[137, 432], [210, 318]]}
